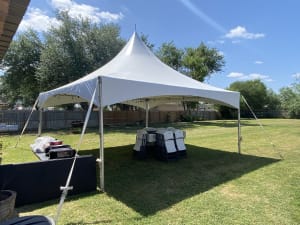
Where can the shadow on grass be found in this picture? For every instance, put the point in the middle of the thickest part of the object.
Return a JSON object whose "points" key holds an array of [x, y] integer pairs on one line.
{"points": [[151, 185]]}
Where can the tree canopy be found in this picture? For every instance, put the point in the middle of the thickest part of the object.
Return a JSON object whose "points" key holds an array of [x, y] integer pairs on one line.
{"points": [[198, 63], [202, 61], [20, 63], [170, 55], [290, 100], [256, 94]]}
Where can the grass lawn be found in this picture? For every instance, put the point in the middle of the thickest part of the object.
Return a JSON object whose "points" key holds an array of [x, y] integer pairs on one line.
{"points": [[213, 185]]}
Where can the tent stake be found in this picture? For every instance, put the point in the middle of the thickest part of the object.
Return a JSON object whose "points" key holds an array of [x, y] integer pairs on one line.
{"points": [[101, 136]]}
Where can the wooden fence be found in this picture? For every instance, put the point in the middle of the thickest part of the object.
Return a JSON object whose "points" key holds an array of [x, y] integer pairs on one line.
{"points": [[55, 120]]}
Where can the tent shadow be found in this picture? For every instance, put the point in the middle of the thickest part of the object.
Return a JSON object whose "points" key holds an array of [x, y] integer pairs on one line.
{"points": [[150, 185]]}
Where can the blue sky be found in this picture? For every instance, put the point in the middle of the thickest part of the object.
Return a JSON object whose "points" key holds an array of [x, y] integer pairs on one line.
{"points": [[258, 38]]}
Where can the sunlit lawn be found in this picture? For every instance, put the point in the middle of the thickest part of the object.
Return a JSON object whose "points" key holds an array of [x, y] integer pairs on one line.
{"points": [[213, 185]]}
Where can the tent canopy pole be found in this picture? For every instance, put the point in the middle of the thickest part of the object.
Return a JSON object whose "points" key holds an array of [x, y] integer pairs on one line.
{"points": [[239, 131], [40, 122], [101, 136], [147, 113]]}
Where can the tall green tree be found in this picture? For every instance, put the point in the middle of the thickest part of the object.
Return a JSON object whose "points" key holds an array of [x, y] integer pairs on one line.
{"points": [[76, 48], [258, 96], [170, 55], [273, 100], [20, 63], [254, 91], [202, 61], [290, 100]]}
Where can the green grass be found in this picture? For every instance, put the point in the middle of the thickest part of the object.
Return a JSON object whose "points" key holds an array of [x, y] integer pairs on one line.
{"points": [[213, 185]]}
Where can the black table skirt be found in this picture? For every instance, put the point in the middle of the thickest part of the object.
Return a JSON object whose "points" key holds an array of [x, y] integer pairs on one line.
{"points": [[27, 220]]}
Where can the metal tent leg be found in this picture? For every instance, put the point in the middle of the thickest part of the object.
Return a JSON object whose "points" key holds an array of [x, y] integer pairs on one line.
{"points": [[239, 131], [101, 136], [40, 122], [147, 113]]}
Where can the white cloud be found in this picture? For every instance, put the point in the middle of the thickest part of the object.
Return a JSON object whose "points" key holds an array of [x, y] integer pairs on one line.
{"points": [[241, 32], [61, 4], [77, 10], [235, 75], [254, 76], [251, 76], [296, 75], [38, 20], [258, 62]]}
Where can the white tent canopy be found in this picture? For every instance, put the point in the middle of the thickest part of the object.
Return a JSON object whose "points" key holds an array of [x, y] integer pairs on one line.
{"points": [[136, 77]]}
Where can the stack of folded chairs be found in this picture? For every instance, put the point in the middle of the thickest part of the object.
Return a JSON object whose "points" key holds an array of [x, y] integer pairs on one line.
{"points": [[179, 136], [170, 143], [139, 149], [165, 145]]}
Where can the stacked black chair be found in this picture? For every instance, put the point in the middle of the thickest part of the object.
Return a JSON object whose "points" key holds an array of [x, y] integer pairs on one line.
{"points": [[140, 147], [165, 145]]}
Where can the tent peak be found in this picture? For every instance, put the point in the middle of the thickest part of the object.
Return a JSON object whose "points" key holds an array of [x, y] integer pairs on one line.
{"points": [[136, 46]]}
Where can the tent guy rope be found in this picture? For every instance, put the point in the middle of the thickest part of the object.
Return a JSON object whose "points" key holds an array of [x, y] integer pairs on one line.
{"points": [[67, 187], [27, 122], [262, 127]]}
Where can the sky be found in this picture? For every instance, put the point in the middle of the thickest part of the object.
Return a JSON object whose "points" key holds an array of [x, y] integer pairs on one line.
{"points": [[259, 39]]}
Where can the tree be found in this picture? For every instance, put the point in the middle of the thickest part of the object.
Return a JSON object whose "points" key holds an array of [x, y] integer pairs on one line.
{"points": [[170, 55], [144, 38], [201, 62], [254, 91], [273, 101], [257, 96], [290, 100], [3, 97], [21, 62], [76, 48]]}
